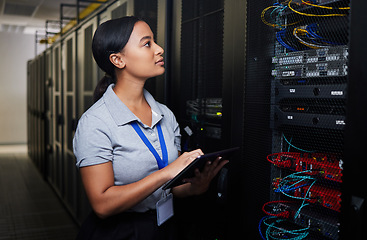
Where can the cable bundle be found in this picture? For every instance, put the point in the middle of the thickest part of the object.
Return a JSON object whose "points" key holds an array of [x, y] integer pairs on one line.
{"points": [[279, 228], [317, 6], [275, 229], [301, 37]]}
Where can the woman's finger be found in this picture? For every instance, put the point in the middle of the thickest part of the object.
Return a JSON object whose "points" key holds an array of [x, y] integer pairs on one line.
{"points": [[219, 166], [209, 166]]}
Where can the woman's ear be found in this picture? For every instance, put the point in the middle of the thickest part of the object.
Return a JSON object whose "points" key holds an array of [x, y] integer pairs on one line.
{"points": [[116, 59]]}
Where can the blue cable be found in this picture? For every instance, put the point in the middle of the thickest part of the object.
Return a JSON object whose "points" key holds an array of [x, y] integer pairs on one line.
{"points": [[290, 189], [289, 145], [312, 29], [279, 35], [284, 189], [295, 146], [293, 175], [297, 233], [262, 219]]}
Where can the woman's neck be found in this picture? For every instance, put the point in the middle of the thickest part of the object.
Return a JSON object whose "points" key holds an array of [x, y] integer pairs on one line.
{"points": [[130, 91]]}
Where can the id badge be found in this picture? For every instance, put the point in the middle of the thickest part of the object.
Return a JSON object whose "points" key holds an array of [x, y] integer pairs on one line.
{"points": [[164, 209]]}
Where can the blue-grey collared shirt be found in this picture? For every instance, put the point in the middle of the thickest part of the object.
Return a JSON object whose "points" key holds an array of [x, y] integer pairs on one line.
{"points": [[104, 134]]}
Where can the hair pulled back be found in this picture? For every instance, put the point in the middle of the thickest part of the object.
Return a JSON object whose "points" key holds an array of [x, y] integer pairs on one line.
{"points": [[110, 37]]}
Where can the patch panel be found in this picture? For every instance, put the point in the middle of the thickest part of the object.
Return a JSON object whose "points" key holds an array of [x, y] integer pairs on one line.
{"points": [[328, 54], [323, 223], [325, 166], [312, 70], [316, 194], [323, 196], [318, 221]]}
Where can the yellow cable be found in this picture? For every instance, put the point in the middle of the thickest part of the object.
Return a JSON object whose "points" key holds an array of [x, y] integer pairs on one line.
{"points": [[314, 15], [314, 5], [263, 17]]}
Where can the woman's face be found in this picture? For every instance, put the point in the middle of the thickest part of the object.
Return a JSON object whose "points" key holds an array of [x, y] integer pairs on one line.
{"points": [[142, 56]]}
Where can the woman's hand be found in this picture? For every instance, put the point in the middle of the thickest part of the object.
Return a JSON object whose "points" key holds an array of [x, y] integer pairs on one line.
{"points": [[200, 183], [181, 162]]}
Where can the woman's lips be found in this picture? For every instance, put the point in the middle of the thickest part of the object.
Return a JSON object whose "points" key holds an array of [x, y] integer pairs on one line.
{"points": [[160, 62]]}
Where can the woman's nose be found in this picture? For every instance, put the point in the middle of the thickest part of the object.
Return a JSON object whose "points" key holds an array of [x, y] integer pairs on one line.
{"points": [[159, 50]]}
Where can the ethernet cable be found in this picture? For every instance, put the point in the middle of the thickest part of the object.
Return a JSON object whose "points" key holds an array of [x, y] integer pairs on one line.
{"points": [[325, 7], [314, 15]]}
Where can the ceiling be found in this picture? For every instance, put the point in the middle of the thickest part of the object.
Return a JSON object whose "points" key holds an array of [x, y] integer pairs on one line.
{"points": [[29, 16]]}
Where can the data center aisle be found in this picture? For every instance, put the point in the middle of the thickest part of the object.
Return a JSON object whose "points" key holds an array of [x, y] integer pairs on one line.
{"points": [[29, 209]]}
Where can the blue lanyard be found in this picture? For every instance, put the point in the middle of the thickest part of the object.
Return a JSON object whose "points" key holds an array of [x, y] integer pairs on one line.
{"points": [[161, 162]]}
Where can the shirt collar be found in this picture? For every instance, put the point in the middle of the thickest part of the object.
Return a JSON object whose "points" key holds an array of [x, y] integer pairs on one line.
{"points": [[122, 115]]}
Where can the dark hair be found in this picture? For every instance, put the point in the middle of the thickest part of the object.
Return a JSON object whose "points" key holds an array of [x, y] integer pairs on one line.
{"points": [[110, 37]]}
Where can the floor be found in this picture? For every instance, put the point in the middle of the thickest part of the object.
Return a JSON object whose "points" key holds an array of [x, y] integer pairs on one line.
{"points": [[29, 209]]}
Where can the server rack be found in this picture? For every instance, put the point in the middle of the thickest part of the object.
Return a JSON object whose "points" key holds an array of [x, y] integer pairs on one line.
{"points": [[35, 115], [58, 121], [68, 73], [198, 59], [49, 159], [277, 92], [353, 210], [202, 88], [87, 69], [298, 70]]}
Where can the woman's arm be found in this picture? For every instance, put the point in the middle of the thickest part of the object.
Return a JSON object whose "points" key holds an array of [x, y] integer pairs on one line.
{"points": [[107, 199]]}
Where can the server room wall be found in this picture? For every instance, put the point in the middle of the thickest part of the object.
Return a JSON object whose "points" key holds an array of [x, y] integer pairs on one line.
{"points": [[16, 50]]}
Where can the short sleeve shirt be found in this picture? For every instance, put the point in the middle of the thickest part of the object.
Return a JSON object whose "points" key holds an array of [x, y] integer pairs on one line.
{"points": [[104, 134]]}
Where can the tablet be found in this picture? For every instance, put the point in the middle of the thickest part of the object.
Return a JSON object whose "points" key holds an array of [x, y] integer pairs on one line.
{"points": [[198, 163]]}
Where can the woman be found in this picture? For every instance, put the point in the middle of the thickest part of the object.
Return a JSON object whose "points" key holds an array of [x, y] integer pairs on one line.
{"points": [[122, 176]]}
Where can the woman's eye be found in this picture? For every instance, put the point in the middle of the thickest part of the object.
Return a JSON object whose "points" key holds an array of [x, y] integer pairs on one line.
{"points": [[147, 44]]}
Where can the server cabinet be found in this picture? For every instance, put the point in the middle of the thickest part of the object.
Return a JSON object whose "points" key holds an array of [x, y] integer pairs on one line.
{"points": [[87, 77], [49, 117], [288, 72], [196, 97], [36, 112], [87, 68], [354, 210], [199, 109], [68, 48], [57, 171], [296, 87], [29, 66], [41, 123]]}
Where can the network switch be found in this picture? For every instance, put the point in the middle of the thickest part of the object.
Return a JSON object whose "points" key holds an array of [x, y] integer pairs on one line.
{"points": [[327, 54], [300, 118], [312, 70], [332, 91]]}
